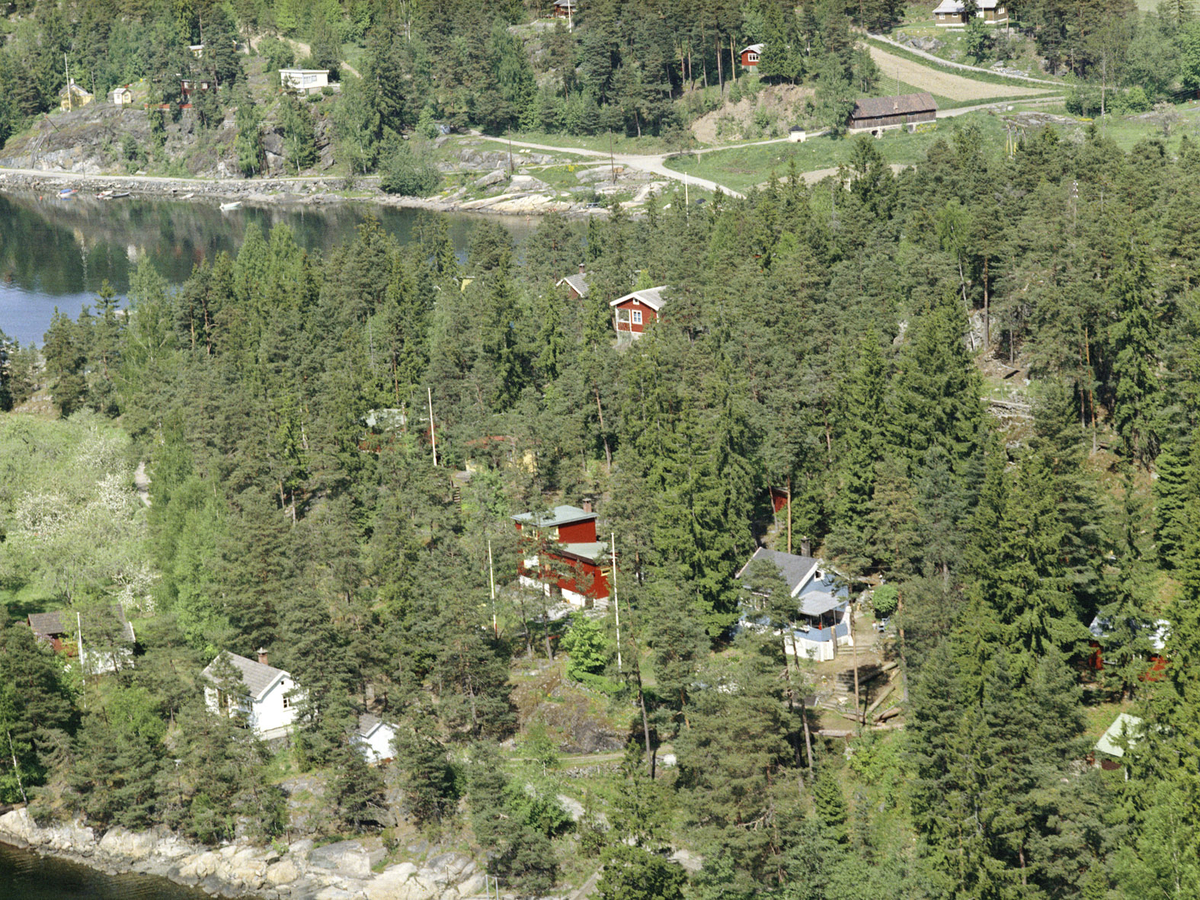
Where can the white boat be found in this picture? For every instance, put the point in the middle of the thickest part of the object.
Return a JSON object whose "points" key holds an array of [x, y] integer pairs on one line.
{"points": [[226, 207]]}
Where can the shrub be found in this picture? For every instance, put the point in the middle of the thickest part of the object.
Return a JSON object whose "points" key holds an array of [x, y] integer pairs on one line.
{"points": [[885, 600], [587, 645], [410, 172], [278, 54]]}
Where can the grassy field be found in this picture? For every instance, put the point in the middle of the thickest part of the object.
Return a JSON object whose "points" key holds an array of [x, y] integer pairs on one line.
{"points": [[744, 168]]}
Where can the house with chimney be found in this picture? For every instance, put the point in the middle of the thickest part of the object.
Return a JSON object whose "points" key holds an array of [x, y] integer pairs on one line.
{"points": [[258, 693], [564, 558], [576, 284]]}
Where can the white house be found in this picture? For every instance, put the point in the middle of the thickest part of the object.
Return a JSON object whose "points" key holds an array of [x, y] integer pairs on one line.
{"points": [[121, 96], [374, 738], [304, 81], [264, 701], [822, 606]]}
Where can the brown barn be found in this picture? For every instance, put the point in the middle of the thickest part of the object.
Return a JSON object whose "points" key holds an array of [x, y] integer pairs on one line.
{"points": [[878, 114], [565, 9], [633, 312]]}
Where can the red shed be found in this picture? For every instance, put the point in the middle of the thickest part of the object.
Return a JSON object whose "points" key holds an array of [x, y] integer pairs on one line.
{"points": [[750, 55], [633, 312]]}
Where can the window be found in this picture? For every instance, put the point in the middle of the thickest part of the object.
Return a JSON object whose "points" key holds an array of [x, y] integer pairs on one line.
{"points": [[637, 317], [287, 702], [752, 56]]}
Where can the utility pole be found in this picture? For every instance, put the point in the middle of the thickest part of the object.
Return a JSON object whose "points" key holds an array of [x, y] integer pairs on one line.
{"points": [[67, 71], [492, 583], [432, 431], [82, 658], [616, 602]]}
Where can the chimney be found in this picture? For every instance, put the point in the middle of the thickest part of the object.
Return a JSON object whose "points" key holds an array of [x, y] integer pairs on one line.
{"points": [[581, 272], [587, 504], [262, 656]]}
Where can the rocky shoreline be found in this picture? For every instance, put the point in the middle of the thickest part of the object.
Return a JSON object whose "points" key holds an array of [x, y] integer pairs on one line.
{"points": [[299, 871], [302, 190]]}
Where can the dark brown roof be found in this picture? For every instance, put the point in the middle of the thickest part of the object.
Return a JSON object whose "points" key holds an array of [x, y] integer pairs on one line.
{"points": [[52, 624], [904, 104]]}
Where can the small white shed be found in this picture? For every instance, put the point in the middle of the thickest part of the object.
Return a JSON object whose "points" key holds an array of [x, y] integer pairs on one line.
{"points": [[374, 739]]}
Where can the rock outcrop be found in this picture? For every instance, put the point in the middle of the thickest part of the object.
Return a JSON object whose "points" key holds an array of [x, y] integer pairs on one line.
{"points": [[341, 871]]}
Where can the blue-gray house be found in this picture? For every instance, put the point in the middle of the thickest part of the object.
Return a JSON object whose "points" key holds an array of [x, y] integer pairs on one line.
{"points": [[823, 607]]}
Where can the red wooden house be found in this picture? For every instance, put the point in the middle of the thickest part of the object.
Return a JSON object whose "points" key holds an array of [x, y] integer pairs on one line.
{"points": [[633, 312], [568, 561], [750, 55], [1157, 633]]}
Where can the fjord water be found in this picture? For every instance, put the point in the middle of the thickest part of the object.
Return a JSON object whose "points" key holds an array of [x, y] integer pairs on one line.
{"points": [[57, 253], [27, 876]]}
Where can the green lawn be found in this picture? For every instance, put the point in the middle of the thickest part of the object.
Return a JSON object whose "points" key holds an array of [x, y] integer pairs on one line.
{"points": [[744, 168], [22, 601]]}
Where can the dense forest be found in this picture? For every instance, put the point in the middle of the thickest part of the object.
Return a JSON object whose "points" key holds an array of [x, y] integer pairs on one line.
{"points": [[646, 67], [845, 340]]}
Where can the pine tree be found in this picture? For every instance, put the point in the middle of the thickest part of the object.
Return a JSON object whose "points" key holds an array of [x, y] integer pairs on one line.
{"points": [[1134, 352]]}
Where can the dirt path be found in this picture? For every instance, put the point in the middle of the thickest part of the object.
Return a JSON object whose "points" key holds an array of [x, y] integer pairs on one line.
{"points": [[963, 66], [944, 84], [648, 162], [305, 49]]}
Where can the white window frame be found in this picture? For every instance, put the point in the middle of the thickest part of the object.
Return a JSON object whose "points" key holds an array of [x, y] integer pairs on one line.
{"points": [[637, 317]]}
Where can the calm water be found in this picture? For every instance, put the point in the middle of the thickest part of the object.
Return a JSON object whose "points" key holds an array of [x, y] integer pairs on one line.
{"points": [[58, 252], [27, 876]]}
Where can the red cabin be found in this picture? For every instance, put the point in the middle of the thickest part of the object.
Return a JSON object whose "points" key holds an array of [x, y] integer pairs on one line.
{"points": [[750, 55], [569, 562], [633, 312]]}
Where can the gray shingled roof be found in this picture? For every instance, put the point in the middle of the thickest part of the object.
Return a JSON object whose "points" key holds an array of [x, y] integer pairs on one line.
{"points": [[819, 602], [902, 104], [578, 283], [368, 723], [796, 570], [560, 515], [651, 297], [257, 677]]}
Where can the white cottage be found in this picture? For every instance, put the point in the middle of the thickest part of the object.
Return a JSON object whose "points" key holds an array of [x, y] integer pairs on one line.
{"points": [[265, 702], [303, 81], [823, 607], [374, 739]]}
